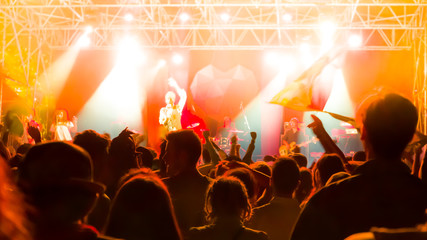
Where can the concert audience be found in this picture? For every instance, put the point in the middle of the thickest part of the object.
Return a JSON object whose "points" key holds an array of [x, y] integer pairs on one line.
{"points": [[57, 181], [382, 193], [265, 193], [278, 217], [97, 146], [64, 197], [186, 185], [121, 159], [142, 209], [261, 166], [359, 156], [210, 156], [305, 187], [300, 159], [248, 179], [13, 222], [227, 207], [145, 157], [325, 167]]}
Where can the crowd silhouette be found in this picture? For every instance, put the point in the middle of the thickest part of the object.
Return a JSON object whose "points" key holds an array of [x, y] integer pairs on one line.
{"points": [[94, 187]]}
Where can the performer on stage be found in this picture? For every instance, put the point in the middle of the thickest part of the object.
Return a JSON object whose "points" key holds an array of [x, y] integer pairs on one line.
{"points": [[290, 140], [170, 116], [62, 126]]}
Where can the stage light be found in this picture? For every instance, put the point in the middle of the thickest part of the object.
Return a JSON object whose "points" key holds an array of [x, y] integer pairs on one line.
{"points": [[339, 99], [128, 17], [287, 17], [288, 62], [355, 41], [304, 47], [58, 72], [118, 101], [306, 54], [84, 41], [184, 17], [177, 59], [272, 58], [88, 29], [130, 52], [225, 17], [285, 63], [327, 29], [162, 63]]}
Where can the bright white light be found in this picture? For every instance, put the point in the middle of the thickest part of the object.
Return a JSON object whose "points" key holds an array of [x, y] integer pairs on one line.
{"points": [[339, 100], [128, 17], [327, 32], [177, 59], [327, 29], [162, 63], [288, 62], [118, 101], [89, 29], [306, 54], [84, 41], [184, 17], [287, 17], [304, 47], [284, 62], [355, 41], [272, 58], [130, 52], [225, 17]]}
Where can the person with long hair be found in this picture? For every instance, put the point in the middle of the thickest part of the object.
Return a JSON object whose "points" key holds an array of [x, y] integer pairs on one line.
{"points": [[142, 209], [227, 207], [62, 125]]}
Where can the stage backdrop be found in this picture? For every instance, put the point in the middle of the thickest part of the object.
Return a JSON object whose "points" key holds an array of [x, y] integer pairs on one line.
{"points": [[218, 83]]}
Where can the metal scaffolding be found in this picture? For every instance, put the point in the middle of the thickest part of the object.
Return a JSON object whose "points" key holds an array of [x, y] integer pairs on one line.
{"points": [[251, 25], [36, 27]]}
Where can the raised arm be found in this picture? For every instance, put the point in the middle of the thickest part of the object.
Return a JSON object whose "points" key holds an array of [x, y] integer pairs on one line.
{"points": [[212, 152], [326, 140], [34, 132], [233, 140], [220, 152], [248, 155], [181, 93]]}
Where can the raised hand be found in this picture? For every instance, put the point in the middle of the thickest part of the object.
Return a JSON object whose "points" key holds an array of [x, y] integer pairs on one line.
{"points": [[234, 139], [316, 126], [126, 133], [172, 83], [253, 135], [34, 132], [206, 134]]}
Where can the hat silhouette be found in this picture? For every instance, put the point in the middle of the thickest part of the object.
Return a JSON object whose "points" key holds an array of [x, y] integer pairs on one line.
{"points": [[57, 164]]}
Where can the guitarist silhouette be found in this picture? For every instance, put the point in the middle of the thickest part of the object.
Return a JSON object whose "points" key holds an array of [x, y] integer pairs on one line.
{"points": [[291, 138]]}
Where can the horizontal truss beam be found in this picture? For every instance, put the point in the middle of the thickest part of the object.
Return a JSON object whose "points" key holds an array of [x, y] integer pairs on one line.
{"points": [[254, 25]]}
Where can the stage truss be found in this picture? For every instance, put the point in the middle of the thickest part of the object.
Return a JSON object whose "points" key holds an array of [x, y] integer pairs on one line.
{"points": [[35, 28]]}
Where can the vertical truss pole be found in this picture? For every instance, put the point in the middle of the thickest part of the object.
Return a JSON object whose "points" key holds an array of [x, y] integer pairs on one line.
{"points": [[424, 44], [420, 79], [29, 50], [3, 21], [278, 20], [2, 63], [417, 89], [17, 40]]}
